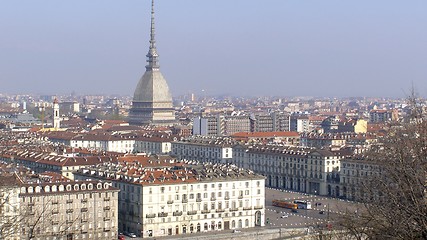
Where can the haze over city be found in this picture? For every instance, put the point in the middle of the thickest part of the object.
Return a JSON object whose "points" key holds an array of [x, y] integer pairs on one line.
{"points": [[276, 47]]}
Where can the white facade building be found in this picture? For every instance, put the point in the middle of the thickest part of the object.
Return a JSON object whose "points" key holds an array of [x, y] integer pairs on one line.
{"points": [[204, 149], [162, 197], [48, 208]]}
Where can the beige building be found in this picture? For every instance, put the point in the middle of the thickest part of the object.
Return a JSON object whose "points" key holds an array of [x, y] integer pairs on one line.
{"points": [[48, 206], [161, 197]]}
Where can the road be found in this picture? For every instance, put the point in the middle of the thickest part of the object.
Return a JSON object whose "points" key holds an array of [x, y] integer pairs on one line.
{"points": [[331, 208]]}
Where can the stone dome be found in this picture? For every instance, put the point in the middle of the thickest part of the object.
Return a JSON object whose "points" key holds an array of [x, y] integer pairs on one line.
{"points": [[152, 87]]}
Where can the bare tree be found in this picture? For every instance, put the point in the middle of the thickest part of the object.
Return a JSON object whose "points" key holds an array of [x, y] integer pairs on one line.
{"points": [[9, 206], [394, 196]]}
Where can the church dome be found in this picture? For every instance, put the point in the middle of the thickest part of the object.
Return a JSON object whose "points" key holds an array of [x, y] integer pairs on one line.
{"points": [[152, 87]]}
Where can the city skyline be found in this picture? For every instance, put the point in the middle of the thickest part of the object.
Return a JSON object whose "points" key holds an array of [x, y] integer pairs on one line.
{"points": [[283, 48]]}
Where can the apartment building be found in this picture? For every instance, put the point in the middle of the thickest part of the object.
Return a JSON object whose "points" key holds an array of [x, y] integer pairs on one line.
{"points": [[48, 206], [221, 125], [286, 138], [153, 144], [299, 169], [41, 161], [380, 116], [161, 196], [322, 140], [204, 149], [353, 172]]}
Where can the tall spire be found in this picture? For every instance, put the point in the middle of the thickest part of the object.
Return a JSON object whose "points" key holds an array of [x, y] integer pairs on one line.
{"points": [[152, 56]]}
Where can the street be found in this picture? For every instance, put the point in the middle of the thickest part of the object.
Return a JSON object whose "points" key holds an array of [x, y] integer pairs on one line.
{"points": [[326, 210]]}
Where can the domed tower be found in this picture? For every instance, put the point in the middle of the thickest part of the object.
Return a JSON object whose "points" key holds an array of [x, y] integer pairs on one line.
{"points": [[152, 100]]}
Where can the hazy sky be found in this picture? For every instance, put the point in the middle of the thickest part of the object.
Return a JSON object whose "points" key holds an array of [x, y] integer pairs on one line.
{"points": [[241, 47]]}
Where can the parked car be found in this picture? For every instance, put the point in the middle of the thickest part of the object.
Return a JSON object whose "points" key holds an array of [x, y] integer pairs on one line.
{"points": [[121, 237], [285, 216], [294, 210], [130, 234], [318, 204], [322, 212], [236, 231]]}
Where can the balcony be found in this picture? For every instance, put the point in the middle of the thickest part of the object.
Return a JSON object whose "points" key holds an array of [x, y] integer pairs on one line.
{"points": [[226, 198], [233, 209], [170, 201], [107, 199], [106, 208], [213, 198], [55, 211], [220, 210], [185, 200], [70, 210], [240, 197], [69, 201], [106, 218], [69, 221], [55, 202], [151, 215], [83, 210], [258, 207], [206, 211], [247, 208], [177, 213], [55, 222], [31, 204], [84, 220], [192, 212], [162, 214], [107, 229], [198, 199]]}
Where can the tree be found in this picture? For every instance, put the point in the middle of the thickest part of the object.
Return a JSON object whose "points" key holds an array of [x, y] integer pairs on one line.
{"points": [[9, 206], [36, 219], [395, 194]]}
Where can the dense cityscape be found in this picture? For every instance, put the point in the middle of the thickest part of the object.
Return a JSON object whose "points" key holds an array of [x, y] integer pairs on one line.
{"points": [[80, 166]]}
